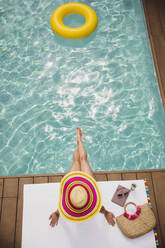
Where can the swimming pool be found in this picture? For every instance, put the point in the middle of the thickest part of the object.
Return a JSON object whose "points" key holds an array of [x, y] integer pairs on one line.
{"points": [[106, 84]]}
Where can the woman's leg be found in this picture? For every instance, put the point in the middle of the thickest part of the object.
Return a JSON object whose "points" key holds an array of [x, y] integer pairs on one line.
{"points": [[85, 167], [76, 161]]}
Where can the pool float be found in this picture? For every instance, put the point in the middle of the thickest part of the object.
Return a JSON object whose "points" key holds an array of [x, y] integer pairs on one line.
{"points": [[56, 20]]}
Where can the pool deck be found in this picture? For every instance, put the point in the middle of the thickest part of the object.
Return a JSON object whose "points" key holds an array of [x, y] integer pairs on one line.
{"points": [[11, 200], [155, 19]]}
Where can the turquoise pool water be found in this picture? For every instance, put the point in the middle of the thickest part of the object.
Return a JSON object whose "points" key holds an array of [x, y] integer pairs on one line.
{"points": [[105, 84]]}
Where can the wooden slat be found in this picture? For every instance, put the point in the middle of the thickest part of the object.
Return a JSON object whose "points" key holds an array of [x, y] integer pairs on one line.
{"points": [[153, 17], [101, 177], [10, 187], [153, 201], [1, 187], [0, 207], [7, 224], [55, 179], [129, 176], [161, 4], [114, 176], [18, 233], [41, 179], [159, 188]]}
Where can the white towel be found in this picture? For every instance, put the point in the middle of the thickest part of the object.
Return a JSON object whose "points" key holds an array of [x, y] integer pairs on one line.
{"points": [[40, 200]]}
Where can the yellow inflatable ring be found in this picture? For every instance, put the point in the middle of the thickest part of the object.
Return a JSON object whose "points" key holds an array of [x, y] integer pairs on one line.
{"points": [[88, 13]]}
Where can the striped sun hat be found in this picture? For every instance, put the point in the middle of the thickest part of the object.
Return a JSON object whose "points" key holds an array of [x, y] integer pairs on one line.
{"points": [[80, 198]]}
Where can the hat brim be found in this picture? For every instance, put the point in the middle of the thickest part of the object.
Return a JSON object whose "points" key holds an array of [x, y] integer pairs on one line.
{"points": [[93, 209]]}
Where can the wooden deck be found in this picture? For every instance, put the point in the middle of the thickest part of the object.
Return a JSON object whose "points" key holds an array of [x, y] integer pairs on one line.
{"points": [[155, 19], [11, 204]]}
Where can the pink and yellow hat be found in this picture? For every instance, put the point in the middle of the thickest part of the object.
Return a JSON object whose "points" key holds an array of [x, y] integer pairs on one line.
{"points": [[80, 198]]}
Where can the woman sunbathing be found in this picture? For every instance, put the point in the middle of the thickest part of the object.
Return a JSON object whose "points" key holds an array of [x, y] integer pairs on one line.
{"points": [[80, 197]]}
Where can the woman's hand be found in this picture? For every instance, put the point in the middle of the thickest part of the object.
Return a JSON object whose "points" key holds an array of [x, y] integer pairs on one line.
{"points": [[54, 217], [110, 217]]}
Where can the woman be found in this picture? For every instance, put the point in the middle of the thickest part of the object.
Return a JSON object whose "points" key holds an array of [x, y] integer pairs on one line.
{"points": [[80, 198]]}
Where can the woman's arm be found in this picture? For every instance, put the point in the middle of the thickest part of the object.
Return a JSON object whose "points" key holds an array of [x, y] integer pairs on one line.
{"points": [[54, 217], [108, 215]]}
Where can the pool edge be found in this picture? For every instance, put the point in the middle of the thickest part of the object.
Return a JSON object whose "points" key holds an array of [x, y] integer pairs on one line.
{"points": [[159, 65]]}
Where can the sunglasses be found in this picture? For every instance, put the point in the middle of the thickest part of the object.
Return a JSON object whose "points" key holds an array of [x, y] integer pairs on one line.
{"points": [[120, 195]]}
